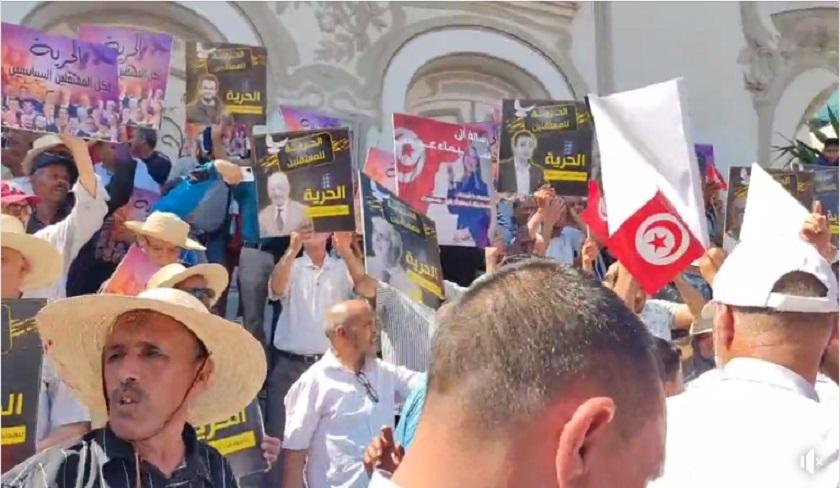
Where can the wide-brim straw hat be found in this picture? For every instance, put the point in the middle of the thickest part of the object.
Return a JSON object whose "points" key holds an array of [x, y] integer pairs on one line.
{"points": [[172, 274], [167, 227], [76, 329], [45, 261]]}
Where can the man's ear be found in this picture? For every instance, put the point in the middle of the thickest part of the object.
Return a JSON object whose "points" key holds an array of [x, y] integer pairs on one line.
{"points": [[723, 328], [27, 268], [582, 430], [203, 376]]}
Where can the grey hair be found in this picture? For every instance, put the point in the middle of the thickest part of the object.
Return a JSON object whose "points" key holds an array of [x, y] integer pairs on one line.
{"points": [[394, 236], [510, 345]]}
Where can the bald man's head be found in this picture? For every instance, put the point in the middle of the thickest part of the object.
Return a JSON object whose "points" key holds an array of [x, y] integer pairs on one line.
{"points": [[350, 326]]}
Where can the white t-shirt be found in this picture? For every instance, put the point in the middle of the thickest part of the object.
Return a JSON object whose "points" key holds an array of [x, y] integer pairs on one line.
{"points": [[310, 292], [57, 405], [330, 413], [758, 424], [659, 316], [566, 247]]}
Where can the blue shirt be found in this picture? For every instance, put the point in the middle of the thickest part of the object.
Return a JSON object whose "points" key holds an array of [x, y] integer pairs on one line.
{"points": [[410, 415]]}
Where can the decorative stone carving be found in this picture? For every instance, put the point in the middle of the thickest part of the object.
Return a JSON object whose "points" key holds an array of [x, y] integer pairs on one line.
{"points": [[348, 26], [760, 57]]}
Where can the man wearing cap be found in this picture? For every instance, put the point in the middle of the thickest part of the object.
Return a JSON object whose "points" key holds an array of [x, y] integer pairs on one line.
{"points": [[153, 366], [702, 346], [336, 405], [760, 422], [31, 263]]}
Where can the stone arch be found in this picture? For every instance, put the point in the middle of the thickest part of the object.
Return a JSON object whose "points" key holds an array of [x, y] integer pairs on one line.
{"points": [[411, 57]]}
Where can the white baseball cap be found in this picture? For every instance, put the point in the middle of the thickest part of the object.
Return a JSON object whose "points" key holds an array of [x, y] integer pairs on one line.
{"points": [[748, 275]]}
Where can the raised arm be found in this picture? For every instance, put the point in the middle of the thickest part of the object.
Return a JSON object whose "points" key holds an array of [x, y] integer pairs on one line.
{"points": [[283, 270], [363, 284], [79, 151]]}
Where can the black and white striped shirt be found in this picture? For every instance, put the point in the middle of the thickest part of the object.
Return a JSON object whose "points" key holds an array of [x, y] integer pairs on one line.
{"points": [[102, 460]]}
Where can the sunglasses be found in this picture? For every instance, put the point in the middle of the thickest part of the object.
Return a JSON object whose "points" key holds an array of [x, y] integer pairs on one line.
{"points": [[363, 380]]}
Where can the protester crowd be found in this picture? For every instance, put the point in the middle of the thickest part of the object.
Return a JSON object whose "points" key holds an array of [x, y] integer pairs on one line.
{"points": [[546, 365]]}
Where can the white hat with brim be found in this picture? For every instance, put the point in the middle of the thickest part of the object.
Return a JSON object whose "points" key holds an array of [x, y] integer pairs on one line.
{"points": [[705, 324], [41, 145], [167, 227], [44, 259], [172, 274], [75, 331]]}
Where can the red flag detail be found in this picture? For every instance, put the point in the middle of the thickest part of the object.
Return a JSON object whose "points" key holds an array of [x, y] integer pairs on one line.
{"points": [[595, 214], [654, 244], [714, 177]]}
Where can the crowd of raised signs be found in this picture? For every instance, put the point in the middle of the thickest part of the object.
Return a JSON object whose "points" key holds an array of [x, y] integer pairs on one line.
{"points": [[483, 306]]}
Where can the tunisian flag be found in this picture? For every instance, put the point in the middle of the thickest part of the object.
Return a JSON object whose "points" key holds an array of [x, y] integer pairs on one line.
{"points": [[421, 146], [652, 184], [595, 215]]}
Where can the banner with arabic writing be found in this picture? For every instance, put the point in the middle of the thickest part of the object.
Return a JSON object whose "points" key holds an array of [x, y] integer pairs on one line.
{"points": [[445, 174], [490, 132], [401, 246], [545, 141], [238, 439], [226, 79], [58, 84], [825, 191], [21, 375], [143, 59], [736, 199], [304, 176]]}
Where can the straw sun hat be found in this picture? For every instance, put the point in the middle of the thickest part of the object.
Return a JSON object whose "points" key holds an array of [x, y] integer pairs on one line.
{"points": [[166, 227], [76, 329], [172, 274], [45, 262]]}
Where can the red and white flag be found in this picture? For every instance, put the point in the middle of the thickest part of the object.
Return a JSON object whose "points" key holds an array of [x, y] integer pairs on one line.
{"points": [[595, 215], [652, 185]]}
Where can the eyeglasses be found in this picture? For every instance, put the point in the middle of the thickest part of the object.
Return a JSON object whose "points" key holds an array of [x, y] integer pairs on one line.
{"points": [[363, 380], [204, 295]]}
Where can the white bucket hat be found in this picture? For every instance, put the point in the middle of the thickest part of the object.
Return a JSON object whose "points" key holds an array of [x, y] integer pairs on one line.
{"points": [[747, 277], [704, 324], [167, 227], [76, 329], [172, 274], [45, 261]]}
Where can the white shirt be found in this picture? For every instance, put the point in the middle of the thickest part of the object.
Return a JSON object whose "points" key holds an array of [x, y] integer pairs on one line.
{"points": [[759, 424], [69, 235], [659, 316], [566, 247], [57, 405], [828, 392], [330, 414], [310, 292], [523, 178]]}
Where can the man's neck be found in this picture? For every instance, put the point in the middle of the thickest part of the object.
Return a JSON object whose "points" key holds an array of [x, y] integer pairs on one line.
{"points": [[520, 163], [793, 358], [143, 153], [165, 451], [208, 103], [351, 360], [46, 212], [317, 255]]}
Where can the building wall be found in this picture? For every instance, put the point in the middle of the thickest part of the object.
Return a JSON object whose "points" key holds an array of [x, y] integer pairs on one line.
{"points": [[742, 62]]}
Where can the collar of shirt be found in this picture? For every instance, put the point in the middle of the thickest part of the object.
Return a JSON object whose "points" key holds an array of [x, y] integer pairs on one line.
{"points": [[765, 372], [119, 449]]}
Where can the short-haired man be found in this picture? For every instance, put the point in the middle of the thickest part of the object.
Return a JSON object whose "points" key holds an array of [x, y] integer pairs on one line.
{"points": [[207, 107], [143, 147], [829, 153], [153, 366], [519, 174], [760, 421], [307, 286], [538, 374], [336, 404]]}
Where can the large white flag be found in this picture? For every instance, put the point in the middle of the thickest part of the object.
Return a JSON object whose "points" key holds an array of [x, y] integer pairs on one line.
{"points": [[652, 184]]}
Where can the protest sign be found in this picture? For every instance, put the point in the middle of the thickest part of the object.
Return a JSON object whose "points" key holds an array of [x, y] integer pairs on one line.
{"points": [[552, 140], [297, 119], [115, 238], [805, 188], [301, 176], [446, 175], [132, 274], [380, 166], [401, 246], [22, 360], [825, 191], [225, 81], [238, 438], [736, 199], [143, 59], [58, 84]]}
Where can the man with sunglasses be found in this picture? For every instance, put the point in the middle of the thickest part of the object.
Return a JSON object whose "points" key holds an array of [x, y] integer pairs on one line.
{"points": [[66, 230], [341, 402]]}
